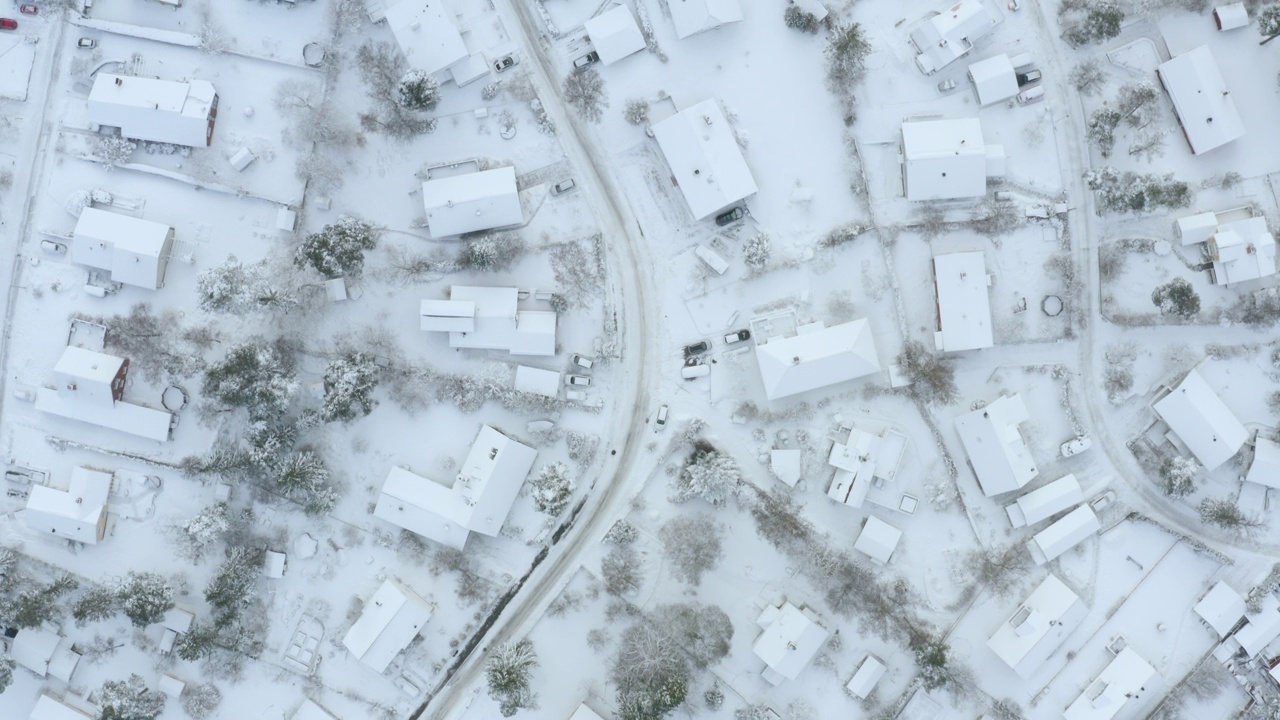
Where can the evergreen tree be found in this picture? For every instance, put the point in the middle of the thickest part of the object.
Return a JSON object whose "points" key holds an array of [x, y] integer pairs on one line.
{"points": [[508, 672], [270, 441], [301, 472], [197, 643], [339, 248], [418, 90], [1176, 297], [7, 666], [349, 382], [96, 603], [37, 605], [257, 376], [230, 590], [237, 289], [710, 475], [552, 489], [130, 700], [145, 598]]}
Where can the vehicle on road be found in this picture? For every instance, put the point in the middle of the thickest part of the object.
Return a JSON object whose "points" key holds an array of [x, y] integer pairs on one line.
{"points": [[563, 187], [582, 361], [581, 380], [8, 24], [86, 43], [1028, 77], [661, 420], [695, 371], [730, 217], [28, 9], [1076, 445], [946, 86], [505, 63], [697, 348], [589, 59], [737, 337]]}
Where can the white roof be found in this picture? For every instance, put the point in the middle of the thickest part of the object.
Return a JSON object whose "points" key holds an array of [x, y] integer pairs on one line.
{"points": [[1265, 468], [74, 513], [32, 648], [614, 34], [861, 459], [85, 376], [479, 501], [944, 159], [1045, 502], [964, 303], [1200, 419], [993, 79], [497, 323], [864, 681], [584, 713], [311, 711], [790, 640], [122, 416], [1242, 250], [1196, 228], [1038, 626], [448, 315], [996, 450], [816, 357], [1064, 534], [426, 33], [171, 686], [1221, 607], [1202, 100], [950, 34], [150, 109], [391, 619], [275, 564], [177, 620], [537, 381], [133, 250], [694, 16], [1262, 628], [703, 154], [1122, 680], [785, 464], [472, 201], [878, 540], [49, 709], [1231, 16]]}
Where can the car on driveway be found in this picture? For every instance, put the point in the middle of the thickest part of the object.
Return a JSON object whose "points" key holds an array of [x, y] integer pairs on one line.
{"points": [[661, 420], [582, 380], [737, 337], [730, 217], [505, 63], [697, 348], [86, 43], [28, 9], [589, 59], [1076, 445], [1028, 77], [563, 187], [582, 361], [8, 24], [946, 86]]}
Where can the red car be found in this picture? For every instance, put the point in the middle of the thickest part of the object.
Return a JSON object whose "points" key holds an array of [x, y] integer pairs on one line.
{"points": [[28, 9], [7, 24]]}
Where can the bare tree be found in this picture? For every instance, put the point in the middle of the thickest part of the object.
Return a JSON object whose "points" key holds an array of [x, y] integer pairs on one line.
{"points": [[998, 568], [1087, 77], [1224, 514], [693, 545], [1149, 145], [584, 90], [933, 377]]}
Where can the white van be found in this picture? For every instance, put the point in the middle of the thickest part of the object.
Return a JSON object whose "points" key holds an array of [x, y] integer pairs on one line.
{"points": [[712, 259], [1030, 95]]}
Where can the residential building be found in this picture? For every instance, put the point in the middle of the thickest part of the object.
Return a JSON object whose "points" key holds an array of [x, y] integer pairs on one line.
{"points": [[950, 35], [1067, 532], [997, 453], [135, 251], [1221, 608], [785, 464], [1038, 627], [878, 540], [89, 387], [702, 151], [1199, 421], [698, 16], [947, 159], [49, 709], [585, 713], [1045, 502], [45, 653], [862, 460], [163, 111], [1262, 627], [792, 637], [471, 202], [994, 79], [311, 711], [78, 513], [1123, 681], [815, 357], [427, 33], [1242, 250], [1201, 100], [392, 618], [865, 679], [489, 318], [962, 286], [614, 34], [1265, 468]]}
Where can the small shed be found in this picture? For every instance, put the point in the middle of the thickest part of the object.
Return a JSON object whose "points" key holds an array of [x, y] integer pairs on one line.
{"points": [[286, 219], [878, 540], [1197, 228], [864, 681], [1230, 17], [171, 686], [993, 79], [537, 381], [49, 709], [243, 158], [1221, 608], [1265, 468], [336, 289], [275, 565]]}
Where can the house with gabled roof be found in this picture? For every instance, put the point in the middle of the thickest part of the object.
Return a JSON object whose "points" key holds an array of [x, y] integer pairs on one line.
{"points": [[1122, 682], [1221, 608], [392, 618], [47, 708], [950, 34], [815, 357], [614, 34], [877, 540], [702, 151], [1065, 533], [163, 111], [470, 202], [1265, 468], [948, 159], [489, 318], [994, 79], [963, 290], [1261, 627], [698, 16], [78, 513], [427, 33], [1045, 502], [1200, 421], [997, 453], [1038, 626], [791, 637], [1201, 100], [45, 653], [134, 251], [89, 387]]}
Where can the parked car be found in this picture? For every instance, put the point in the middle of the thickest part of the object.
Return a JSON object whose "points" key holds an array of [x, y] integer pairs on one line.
{"points": [[1076, 445], [1028, 77], [947, 86], [693, 372], [697, 348], [588, 59], [730, 217], [563, 187], [737, 337], [505, 63], [661, 420], [8, 24], [582, 361], [582, 380], [1031, 95], [28, 9], [86, 43]]}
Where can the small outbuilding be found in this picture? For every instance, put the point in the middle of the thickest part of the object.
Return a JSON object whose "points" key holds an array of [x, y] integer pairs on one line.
{"points": [[1066, 533], [878, 540], [471, 202], [78, 513], [1221, 608], [614, 34], [1265, 468], [392, 618], [49, 709], [537, 381], [135, 251], [702, 151], [1231, 17], [1242, 250], [865, 679], [994, 79]]}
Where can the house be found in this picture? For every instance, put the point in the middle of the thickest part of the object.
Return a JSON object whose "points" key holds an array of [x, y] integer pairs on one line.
{"points": [[865, 679], [171, 686], [950, 35], [994, 79], [815, 357], [49, 709], [1265, 468], [1262, 627], [472, 201], [89, 387], [614, 34], [1242, 250], [961, 283], [878, 540], [1124, 679], [391, 619], [1067, 532], [1045, 502], [1038, 627], [792, 637], [488, 318], [1201, 100], [947, 159], [697, 16], [537, 381], [1200, 421], [135, 251], [45, 653], [702, 151], [862, 460], [996, 450], [479, 500], [585, 713], [311, 711], [1221, 608], [163, 111], [78, 513], [427, 33], [1230, 17]]}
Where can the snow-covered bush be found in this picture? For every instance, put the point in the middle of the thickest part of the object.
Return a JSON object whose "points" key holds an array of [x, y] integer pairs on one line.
{"points": [[7, 666], [713, 697], [584, 90], [693, 544], [339, 248], [349, 382], [622, 533], [798, 19], [1178, 476], [932, 376], [130, 700], [257, 376], [1085, 21], [709, 474], [418, 90], [579, 268], [114, 150], [145, 597], [492, 252], [1087, 77], [1176, 297], [757, 253], [637, 111], [204, 529], [552, 489], [1131, 192], [237, 289], [200, 700], [650, 673], [1269, 23], [508, 672]]}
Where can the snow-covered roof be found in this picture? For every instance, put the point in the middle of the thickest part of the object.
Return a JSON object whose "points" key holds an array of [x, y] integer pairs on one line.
{"points": [[1121, 681], [157, 110], [125, 417], [993, 79], [1196, 228], [1242, 250], [703, 154], [1265, 468], [964, 303], [785, 464], [177, 620], [49, 709], [133, 250], [1200, 97], [85, 376], [996, 450], [479, 500], [311, 711], [274, 566], [1222, 607], [861, 459], [944, 159], [585, 713], [865, 679], [472, 201], [1199, 418], [77, 513], [1045, 502], [44, 653], [614, 34], [427, 34], [537, 381], [488, 318], [171, 686], [391, 619], [950, 34], [790, 639], [1038, 626], [1262, 628], [448, 315], [1231, 16], [694, 16], [816, 357], [878, 540], [1064, 534]]}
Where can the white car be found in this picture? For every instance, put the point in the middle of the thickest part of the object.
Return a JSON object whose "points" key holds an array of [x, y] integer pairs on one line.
{"points": [[581, 380], [1076, 445], [661, 420], [737, 337], [582, 361]]}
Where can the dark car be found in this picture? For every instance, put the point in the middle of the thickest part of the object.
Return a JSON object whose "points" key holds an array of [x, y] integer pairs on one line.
{"points": [[505, 63], [589, 59], [697, 348], [8, 24], [1028, 77], [730, 217]]}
